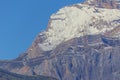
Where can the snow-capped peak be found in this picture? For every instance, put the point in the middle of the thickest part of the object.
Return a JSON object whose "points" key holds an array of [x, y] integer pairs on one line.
{"points": [[78, 20]]}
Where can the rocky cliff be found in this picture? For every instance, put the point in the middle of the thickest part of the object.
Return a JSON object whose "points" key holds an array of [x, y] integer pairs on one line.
{"points": [[82, 42], [5, 75]]}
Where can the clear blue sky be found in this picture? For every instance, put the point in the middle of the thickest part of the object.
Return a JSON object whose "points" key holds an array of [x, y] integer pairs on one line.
{"points": [[22, 20]]}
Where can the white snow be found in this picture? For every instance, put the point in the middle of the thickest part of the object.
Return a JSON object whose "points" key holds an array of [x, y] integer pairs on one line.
{"points": [[71, 22]]}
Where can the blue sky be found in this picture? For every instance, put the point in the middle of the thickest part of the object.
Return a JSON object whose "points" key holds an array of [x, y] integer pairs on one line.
{"points": [[22, 20]]}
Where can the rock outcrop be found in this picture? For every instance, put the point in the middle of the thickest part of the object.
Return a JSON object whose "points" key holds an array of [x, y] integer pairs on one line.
{"points": [[110, 4]]}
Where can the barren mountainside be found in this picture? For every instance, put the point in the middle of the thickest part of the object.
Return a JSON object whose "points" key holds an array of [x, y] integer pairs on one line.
{"points": [[5, 75], [82, 42]]}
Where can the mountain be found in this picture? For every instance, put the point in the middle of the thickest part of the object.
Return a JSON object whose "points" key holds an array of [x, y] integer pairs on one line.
{"points": [[5, 75], [82, 42], [74, 21]]}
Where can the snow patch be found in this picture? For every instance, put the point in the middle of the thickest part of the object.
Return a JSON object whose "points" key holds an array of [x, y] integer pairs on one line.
{"points": [[71, 22]]}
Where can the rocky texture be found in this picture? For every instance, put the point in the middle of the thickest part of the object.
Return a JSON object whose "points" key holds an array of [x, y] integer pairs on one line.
{"points": [[5, 75], [82, 42], [71, 22], [110, 4], [76, 60]]}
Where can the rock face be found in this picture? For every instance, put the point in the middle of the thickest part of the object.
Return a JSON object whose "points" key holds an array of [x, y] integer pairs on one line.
{"points": [[110, 4], [5, 75], [74, 21], [82, 42]]}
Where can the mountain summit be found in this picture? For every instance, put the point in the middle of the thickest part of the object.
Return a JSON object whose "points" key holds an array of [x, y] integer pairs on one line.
{"points": [[82, 42], [74, 21]]}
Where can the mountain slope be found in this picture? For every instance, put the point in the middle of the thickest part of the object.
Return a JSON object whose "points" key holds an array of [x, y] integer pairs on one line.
{"points": [[5, 75], [71, 22], [76, 60], [82, 42]]}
